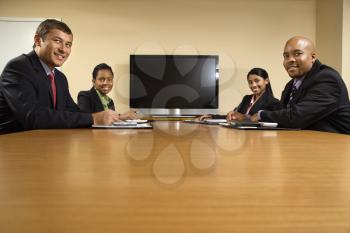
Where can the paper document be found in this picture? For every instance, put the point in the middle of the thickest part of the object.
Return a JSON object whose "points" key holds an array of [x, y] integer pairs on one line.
{"points": [[117, 123], [138, 121], [124, 126], [253, 124], [217, 121]]}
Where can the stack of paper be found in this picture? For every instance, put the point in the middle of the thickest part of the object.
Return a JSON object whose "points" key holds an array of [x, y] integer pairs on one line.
{"points": [[127, 124]]}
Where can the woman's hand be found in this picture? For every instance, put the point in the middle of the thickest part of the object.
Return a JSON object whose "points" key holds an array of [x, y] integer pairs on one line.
{"points": [[205, 116], [129, 115]]}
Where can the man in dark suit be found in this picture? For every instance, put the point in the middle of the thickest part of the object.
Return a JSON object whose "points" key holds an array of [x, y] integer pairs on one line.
{"points": [[35, 95], [316, 98]]}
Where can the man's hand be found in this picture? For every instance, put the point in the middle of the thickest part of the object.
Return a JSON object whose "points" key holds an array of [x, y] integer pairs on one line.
{"points": [[255, 117], [235, 116], [106, 117]]}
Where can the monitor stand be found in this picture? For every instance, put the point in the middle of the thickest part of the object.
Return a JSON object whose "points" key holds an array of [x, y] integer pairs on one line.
{"points": [[173, 116], [163, 113]]}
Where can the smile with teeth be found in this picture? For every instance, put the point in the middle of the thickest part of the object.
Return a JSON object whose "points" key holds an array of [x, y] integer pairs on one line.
{"points": [[292, 67], [59, 56]]}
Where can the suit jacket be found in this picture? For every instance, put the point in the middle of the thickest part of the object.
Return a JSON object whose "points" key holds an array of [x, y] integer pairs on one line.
{"points": [[265, 102], [26, 98], [89, 101], [321, 103]]}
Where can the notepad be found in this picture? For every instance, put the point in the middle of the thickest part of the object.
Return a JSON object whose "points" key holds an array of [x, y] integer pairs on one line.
{"points": [[124, 123], [214, 121], [247, 125], [253, 124], [138, 121], [124, 126], [130, 122]]}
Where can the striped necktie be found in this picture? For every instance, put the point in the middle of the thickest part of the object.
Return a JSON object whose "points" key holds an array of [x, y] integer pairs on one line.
{"points": [[291, 96]]}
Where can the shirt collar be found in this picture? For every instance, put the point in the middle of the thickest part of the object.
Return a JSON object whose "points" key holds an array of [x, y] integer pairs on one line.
{"points": [[46, 68], [298, 82], [104, 97]]}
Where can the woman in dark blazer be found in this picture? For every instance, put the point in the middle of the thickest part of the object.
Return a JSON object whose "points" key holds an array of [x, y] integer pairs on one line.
{"points": [[89, 101], [261, 99], [96, 99]]}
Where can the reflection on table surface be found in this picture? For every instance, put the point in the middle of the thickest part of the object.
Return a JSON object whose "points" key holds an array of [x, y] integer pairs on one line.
{"points": [[177, 177]]}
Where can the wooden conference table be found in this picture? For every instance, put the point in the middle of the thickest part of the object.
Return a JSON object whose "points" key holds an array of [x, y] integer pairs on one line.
{"points": [[177, 178]]}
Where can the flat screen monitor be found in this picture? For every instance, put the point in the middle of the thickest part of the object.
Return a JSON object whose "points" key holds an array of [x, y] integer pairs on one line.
{"points": [[174, 84]]}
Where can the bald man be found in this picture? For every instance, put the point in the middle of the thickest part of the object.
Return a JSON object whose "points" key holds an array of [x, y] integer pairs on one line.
{"points": [[316, 98]]}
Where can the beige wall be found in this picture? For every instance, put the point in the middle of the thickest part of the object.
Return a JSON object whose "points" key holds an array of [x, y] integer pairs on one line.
{"points": [[329, 32], [346, 42], [245, 33], [333, 35]]}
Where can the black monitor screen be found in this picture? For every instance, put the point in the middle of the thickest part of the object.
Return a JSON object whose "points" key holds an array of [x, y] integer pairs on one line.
{"points": [[174, 81]]}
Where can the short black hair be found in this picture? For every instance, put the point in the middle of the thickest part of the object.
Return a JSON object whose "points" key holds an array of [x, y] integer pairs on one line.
{"points": [[102, 66], [262, 73], [49, 24]]}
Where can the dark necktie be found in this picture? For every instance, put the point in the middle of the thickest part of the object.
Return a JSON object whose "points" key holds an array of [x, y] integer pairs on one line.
{"points": [[53, 88], [291, 96]]}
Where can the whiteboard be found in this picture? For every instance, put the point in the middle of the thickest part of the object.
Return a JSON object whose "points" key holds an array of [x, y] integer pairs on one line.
{"points": [[17, 37]]}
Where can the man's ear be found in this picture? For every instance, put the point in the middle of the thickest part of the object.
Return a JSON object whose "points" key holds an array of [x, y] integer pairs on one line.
{"points": [[313, 56], [37, 40]]}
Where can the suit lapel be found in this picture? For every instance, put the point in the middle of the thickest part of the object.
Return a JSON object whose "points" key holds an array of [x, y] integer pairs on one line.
{"points": [[257, 106], [308, 80], [96, 99], [285, 93], [111, 105], [60, 103], [41, 74], [242, 107]]}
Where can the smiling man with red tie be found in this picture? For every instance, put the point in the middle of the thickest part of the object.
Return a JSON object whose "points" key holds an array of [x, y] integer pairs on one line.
{"points": [[35, 95]]}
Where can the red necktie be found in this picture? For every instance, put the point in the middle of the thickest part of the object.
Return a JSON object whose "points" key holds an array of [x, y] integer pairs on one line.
{"points": [[53, 88]]}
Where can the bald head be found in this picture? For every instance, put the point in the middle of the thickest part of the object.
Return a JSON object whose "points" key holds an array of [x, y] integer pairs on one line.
{"points": [[302, 42], [299, 56]]}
